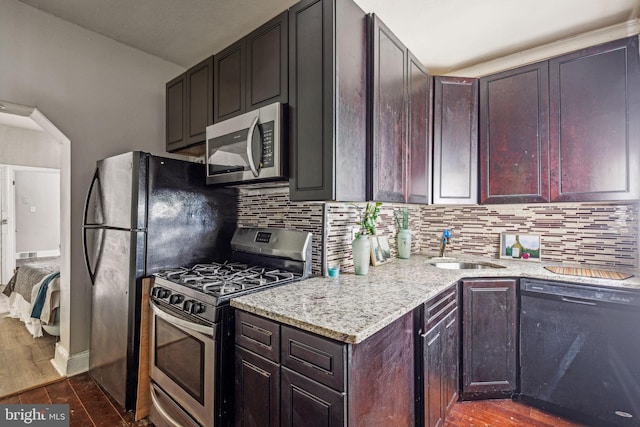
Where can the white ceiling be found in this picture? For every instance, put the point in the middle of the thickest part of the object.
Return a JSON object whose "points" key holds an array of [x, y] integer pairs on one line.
{"points": [[444, 34]]}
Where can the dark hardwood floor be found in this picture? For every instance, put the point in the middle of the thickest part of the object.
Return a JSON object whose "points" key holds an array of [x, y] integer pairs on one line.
{"points": [[88, 404], [502, 413]]}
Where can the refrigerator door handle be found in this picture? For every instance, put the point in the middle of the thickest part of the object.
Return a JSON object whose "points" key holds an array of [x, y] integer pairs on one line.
{"points": [[86, 226], [85, 214]]}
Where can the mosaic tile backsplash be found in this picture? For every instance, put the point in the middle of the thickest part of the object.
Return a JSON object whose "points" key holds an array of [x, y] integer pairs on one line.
{"points": [[263, 205], [599, 234]]}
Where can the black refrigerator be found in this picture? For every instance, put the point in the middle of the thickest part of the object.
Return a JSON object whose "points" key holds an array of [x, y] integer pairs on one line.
{"points": [[144, 213]]}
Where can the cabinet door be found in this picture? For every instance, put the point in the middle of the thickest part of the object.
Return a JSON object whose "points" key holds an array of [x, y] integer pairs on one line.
{"points": [[257, 391], [595, 131], [267, 60], [310, 128], [434, 376], [175, 113], [418, 132], [199, 102], [389, 121], [327, 100], [489, 338], [229, 81], [451, 360], [306, 403], [514, 136], [455, 140]]}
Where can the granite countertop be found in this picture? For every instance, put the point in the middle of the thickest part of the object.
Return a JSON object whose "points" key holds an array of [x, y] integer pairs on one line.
{"points": [[351, 308]]}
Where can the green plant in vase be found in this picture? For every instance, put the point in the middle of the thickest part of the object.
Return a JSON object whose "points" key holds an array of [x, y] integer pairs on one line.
{"points": [[361, 247], [401, 216]]}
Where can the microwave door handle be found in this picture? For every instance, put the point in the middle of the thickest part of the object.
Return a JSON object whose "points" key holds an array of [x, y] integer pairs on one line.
{"points": [[252, 129]]}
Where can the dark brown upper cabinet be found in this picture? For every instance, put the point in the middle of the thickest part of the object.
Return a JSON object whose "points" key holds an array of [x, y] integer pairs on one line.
{"points": [[267, 62], [455, 140], [229, 81], [189, 102], [595, 126], [399, 123], [327, 100], [253, 71], [419, 98], [514, 136], [389, 121]]}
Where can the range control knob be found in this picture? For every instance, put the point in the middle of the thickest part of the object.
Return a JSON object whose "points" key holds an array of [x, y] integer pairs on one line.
{"points": [[176, 299], [198, 308], [160, 292], [188, 305]]}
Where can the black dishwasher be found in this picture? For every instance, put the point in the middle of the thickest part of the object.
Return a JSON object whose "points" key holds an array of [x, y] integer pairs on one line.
{"points": [[580, 351]]}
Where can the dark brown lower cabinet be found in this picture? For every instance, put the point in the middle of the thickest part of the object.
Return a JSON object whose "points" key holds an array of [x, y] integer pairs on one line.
{"points": [[489, 338], [440, 357], [257, 390], [323, 382], [306, 403]]}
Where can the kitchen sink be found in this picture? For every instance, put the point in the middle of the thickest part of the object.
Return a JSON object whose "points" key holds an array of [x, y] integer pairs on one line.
{"points": [[465, 265]]}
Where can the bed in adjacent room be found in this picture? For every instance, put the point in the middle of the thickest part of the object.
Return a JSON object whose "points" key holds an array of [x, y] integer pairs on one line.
{"points": [[34, 296]]}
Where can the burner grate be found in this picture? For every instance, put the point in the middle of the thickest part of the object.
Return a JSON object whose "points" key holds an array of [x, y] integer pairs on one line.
{"points": [[224, 279]]}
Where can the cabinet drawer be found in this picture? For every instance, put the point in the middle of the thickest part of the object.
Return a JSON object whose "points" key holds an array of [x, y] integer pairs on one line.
{"points": [[259, 335], [315, 357], [438, 307]]}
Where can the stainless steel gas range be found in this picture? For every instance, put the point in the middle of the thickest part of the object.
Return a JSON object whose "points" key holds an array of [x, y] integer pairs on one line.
{"points": [[192, 330]]}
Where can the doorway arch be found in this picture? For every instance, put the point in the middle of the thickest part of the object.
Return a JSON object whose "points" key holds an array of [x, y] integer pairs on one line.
{"points": [[32, 116]]}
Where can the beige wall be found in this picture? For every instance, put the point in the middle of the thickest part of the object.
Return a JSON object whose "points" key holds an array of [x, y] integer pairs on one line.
{"points": [[37, 210], [25, 147], [107, 98]]}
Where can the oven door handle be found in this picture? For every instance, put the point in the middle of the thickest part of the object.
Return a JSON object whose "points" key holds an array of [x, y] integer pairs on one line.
{"points": [[162, 411], [195, 327]]}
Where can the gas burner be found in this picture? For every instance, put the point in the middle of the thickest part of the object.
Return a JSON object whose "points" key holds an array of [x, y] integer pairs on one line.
{"points": [[223, 279]]}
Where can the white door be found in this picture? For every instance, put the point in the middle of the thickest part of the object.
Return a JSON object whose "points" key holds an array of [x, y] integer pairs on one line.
{"points": [[3, 224]]}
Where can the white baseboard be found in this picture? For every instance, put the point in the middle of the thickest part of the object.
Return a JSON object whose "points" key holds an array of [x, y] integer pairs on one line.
{"points": [[70, 365]]}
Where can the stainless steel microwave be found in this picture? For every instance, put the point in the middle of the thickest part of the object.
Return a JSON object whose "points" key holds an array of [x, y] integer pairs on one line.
{"points": [[247, 148]]}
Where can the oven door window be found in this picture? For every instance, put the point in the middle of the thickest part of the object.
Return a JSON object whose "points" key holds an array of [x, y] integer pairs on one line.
{"points": [[181, 357]]}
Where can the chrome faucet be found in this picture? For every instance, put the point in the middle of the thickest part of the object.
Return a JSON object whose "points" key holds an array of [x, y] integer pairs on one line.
{"points": [[446, 239]]}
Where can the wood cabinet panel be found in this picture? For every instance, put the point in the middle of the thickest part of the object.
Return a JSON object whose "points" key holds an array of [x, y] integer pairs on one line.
{"points": [[258, 334], [434, 377], [451, 357], [316, 357], [418, 132], [199, 102], [267, 62], [514, 136], [229, 81], [308, 403], [382, 377], [389, 124], [257, 390], [175, 112], [455, 140], [595, 133], [440, 357], [489, 337], [327, 100], [189, 108]]}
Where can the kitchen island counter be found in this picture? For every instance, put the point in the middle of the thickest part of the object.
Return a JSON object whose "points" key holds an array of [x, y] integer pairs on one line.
{"points": [[351, 308]]}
